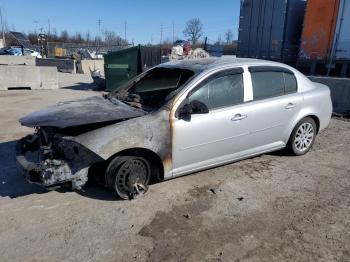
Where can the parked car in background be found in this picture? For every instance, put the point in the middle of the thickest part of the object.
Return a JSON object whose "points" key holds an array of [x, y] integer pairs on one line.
{"points": [[174, 119], [19, 51], [30, 52], [181, 43], [11, 51]]}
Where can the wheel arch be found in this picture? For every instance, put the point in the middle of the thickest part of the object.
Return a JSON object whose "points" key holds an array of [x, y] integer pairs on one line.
{"points": [[297, 121], [157, 167], [316, 119]]}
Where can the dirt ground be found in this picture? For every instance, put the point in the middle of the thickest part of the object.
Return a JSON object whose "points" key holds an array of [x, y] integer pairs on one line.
{"points": [[268, 208]]}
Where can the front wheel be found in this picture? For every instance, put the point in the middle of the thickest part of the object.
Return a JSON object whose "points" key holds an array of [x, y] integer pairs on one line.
{"points": [[302, 137], [129, 176]]}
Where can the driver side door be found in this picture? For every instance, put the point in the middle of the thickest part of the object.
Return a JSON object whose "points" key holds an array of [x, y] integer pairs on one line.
{"points": [[208, 139]]}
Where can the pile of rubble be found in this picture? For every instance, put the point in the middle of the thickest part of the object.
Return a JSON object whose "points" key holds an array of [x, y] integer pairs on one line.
{"points": [[177, 53]]}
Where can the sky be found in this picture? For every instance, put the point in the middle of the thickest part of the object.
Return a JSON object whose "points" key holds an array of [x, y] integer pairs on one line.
{"points": [[144, 19]]}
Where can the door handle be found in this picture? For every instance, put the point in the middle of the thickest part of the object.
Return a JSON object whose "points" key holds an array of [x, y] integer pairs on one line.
{"points": [[238, 117], [290, 106]]}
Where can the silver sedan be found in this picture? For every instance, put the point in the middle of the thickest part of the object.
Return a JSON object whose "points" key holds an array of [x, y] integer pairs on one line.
{"points": [[175, 119]]}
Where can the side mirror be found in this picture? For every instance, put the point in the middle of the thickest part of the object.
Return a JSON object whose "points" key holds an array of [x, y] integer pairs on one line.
{"points": [[185, 112], [195, 107], [198, 107]]}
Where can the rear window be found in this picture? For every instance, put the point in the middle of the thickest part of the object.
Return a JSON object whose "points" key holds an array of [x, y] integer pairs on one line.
{"points": [[268, 84]]}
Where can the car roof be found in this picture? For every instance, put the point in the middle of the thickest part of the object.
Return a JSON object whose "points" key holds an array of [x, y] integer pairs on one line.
{"points": [[204, 64]]}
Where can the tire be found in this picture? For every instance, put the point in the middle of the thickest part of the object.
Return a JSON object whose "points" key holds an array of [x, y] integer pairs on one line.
{"points": [[302, 137], [129, 176]]}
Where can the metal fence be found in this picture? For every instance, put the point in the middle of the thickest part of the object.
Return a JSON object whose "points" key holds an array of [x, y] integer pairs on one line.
{"points": [[68, 49]]}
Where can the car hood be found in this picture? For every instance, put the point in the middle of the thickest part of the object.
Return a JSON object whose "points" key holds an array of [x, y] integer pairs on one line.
{"points": [[87, 111]]}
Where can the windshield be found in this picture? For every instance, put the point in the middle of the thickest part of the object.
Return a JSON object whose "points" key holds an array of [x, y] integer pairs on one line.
{"points": [[153, 89]]}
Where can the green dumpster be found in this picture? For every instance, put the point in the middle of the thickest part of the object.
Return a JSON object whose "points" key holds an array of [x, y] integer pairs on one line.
{"points": [[122, 65]]}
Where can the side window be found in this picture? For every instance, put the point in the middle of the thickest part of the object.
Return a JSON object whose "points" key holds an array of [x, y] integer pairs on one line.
{"points": [[221, 92], [290, 83], [268, 84]]}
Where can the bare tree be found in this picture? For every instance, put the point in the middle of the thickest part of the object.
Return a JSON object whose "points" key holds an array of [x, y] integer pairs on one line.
{"points": [[111, 38], [54, 36], [229, 36], [219, 42], [78, 38], [33, 38], [87, 37], [193, 30], [64, 36]]}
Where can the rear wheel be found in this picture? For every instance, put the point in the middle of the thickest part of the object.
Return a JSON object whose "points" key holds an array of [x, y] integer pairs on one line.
{"points": [[129, 176], [303, 137]]}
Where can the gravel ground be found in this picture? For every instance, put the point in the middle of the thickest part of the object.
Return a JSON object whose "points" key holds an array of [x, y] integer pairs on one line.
{"points": [[268, 208]]}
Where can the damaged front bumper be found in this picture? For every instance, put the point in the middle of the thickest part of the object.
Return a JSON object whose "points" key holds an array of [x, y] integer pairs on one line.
{"points": [[53, 171]]}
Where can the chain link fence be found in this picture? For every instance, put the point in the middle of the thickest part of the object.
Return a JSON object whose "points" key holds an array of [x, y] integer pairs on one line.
{"points": [[68, 49]]}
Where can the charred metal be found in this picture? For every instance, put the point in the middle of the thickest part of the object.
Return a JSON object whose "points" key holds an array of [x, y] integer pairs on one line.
{"points": [[50, 159]]}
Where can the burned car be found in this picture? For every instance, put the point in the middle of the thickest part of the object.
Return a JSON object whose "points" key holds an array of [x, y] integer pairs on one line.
{"points": [[174, 119]]}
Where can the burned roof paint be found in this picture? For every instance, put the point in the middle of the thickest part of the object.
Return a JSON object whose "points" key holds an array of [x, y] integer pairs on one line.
{"points": [[203, 64]]}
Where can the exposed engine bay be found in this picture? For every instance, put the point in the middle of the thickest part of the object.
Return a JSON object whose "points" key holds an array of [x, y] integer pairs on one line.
{"points": [[54, 159], [154, 88], [51, 156]]}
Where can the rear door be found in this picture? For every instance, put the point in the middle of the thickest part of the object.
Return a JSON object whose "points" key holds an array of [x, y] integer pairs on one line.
{"points": [[274, 105]]}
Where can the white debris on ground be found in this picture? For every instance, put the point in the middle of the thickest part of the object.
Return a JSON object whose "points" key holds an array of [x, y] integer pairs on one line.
{"points": [[178, 54]]}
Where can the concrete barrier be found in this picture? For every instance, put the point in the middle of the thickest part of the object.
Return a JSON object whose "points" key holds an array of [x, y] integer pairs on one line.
{"points": [[62, 65], [33, 77], [84, 66], [340, 92], [17, 60]]}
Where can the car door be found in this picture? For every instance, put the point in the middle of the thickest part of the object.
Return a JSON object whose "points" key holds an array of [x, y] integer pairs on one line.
{"points": [[274, 105], [211, 138]]}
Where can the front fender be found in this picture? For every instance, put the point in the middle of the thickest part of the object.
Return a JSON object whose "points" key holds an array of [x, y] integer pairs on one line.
{"points": [[151, 132]]}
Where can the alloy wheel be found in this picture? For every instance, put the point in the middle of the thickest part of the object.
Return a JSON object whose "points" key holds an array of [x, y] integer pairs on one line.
{"points": [[304, 137]]}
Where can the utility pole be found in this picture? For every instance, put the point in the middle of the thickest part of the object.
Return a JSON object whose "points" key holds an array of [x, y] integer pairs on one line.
{"points": [[99, 22], [36, 28], [126, 41], [48, 37], [49, 29], [36, 22], [173, 32], [161, 34], [2, 28]]}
